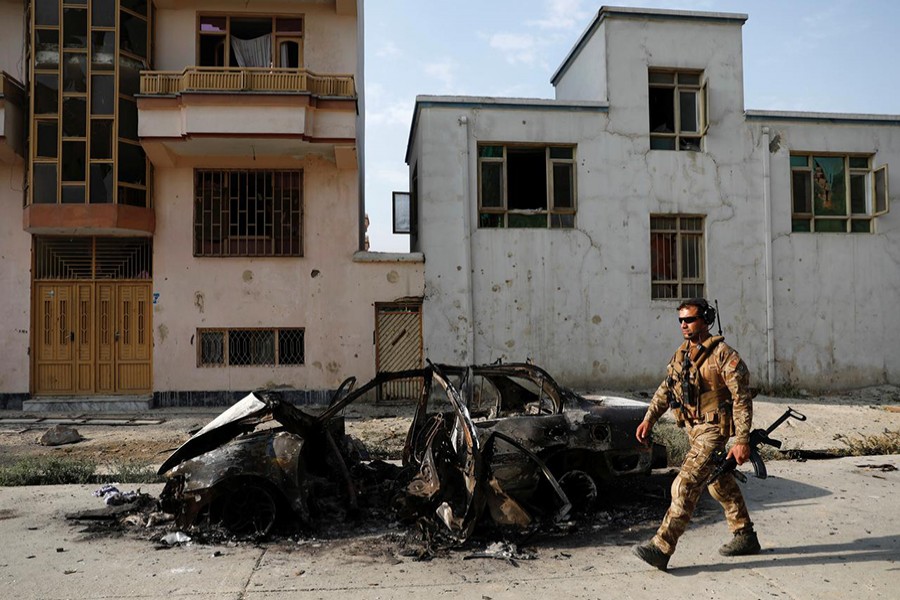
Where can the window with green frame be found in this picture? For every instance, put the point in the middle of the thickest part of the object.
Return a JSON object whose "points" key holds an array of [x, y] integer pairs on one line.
{"points": [[837, 193], [521, 186]]}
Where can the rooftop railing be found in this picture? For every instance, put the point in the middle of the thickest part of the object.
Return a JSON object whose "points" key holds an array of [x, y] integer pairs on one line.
{"points": [[246, 79]]}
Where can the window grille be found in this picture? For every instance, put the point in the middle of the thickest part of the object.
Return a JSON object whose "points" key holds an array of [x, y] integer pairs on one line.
{"points": [[250, 347], [676, 257], [248, 213], [93, 258]]}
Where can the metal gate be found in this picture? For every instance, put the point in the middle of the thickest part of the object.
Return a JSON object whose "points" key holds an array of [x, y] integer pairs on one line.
{"points": [[92, 316], [398, 347]]}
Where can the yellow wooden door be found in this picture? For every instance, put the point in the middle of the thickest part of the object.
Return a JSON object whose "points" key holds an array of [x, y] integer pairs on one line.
{"points": [[93, 338], [54, 338], [398, 347], [133, 338]]}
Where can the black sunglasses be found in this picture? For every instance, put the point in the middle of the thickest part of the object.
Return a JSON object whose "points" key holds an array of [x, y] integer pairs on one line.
{"points": [[687, 319]]}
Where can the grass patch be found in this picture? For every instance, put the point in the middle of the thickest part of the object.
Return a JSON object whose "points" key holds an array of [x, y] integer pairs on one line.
{"points": [[56, 470], [870, 445], [47, 470]]}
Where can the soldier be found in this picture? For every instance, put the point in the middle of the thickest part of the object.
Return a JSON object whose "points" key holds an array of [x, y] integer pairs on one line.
{"points": [[707, 387]]}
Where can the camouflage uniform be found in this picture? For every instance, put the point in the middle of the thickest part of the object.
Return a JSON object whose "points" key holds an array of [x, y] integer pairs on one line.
{"points": [[721, 383]]}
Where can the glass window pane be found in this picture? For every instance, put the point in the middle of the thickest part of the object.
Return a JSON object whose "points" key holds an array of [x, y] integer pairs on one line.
{"points": [[103, 50], [132, 34], [73, 194], [46, 93], [289, 25], [829, 193], [527, 221], [688, 108], [492, 184], [490, 151], [138, 6], [101, 138], [490, 221], [831, 225], [74, 72], [561, 152], [689, 79], [47, 49], [129, 76], [47, 139], [103, 93], [861, 226], [858, 188], [564, 221], [563, 188], [799, 161], [101, 183], [662, 256], [46, 12], [691, 223], [290, 347], [44, 183], [663, 223], [74, 118], [132, 164], [800, 225], [690, 256], [662, 77], [74, 28], [881, 189], [128, 119], [801, 191], [212, 347], [73, 161], [208, 23], [103, 13], [662, 143], [859, 162], [132, 196]]}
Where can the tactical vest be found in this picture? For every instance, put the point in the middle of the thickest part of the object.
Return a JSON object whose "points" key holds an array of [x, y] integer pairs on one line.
{"points": [[709, 399]]}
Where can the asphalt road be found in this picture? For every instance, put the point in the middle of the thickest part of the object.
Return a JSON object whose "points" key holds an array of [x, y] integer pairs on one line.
{"points": [[829, 529]]}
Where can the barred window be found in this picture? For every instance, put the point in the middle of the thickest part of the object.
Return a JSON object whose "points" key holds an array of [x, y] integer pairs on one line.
{"points": [[250, 347], [676, 257], [679, 112], [248, 213]]}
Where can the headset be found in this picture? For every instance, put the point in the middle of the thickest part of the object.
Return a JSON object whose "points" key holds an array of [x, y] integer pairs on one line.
{"points": [[704, 310]]}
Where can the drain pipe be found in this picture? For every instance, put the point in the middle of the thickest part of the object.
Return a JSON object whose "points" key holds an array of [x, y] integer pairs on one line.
{"points": [[469, 248], [770, 295]]}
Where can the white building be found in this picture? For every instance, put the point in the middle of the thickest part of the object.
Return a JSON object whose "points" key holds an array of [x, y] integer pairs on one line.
{"points": [[568, 230]]}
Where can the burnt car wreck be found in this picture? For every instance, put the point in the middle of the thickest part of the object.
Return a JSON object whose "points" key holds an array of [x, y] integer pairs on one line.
{"points": [[502, 444]]}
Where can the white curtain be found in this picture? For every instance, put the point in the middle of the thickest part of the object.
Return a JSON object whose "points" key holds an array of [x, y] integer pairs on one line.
{"points": [[253, 53]]}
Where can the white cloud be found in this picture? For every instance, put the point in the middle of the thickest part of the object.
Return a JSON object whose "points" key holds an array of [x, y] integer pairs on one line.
{"points": [[515, 47], [563, 14], [388, 50], [444, 71]]}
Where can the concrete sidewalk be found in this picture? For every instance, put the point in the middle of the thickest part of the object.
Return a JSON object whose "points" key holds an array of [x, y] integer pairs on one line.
{"points": [[829, 529]]}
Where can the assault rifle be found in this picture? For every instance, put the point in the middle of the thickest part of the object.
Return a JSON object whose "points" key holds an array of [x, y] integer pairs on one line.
{"points": [[757, 437]]}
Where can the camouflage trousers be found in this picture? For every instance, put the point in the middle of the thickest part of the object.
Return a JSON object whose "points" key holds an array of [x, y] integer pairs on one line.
{"points": [[688, 485]]}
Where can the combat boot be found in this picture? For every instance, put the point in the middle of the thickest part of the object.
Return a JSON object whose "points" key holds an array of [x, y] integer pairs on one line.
{"points": [[742, 544], [650, 554]]}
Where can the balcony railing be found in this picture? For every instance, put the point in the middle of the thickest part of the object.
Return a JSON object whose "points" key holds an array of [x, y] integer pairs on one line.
{"points": [[246, 79]]}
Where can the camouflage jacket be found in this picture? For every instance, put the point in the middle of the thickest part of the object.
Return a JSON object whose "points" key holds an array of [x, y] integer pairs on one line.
{"points": [[723, 371]]}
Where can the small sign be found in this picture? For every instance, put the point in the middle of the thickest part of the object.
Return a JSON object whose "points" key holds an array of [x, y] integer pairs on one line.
{"points": [[155, 297]]}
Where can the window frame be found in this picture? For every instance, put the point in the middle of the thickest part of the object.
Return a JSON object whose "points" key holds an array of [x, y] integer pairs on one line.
{"points": [[226, 350], [875, 205], [278, 37], [550, 209], [701, 94], [681, 281]]}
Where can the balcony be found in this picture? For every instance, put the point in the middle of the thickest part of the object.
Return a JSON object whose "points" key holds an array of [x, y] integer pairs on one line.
{"points": [[262, 112], [13, 105]]}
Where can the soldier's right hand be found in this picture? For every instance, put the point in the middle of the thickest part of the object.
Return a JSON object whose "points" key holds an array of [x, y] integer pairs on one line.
{"points": [[643, 432]]}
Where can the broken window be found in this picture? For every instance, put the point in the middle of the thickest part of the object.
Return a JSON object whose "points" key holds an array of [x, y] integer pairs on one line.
{"points": [[248, 213], [526, 186], [679, 115], [238, 41], [676, 257], [837, 193], [250, 347]]}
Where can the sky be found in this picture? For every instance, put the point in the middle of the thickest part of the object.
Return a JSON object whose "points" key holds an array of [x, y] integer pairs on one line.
{"points": [[799, 55]]}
